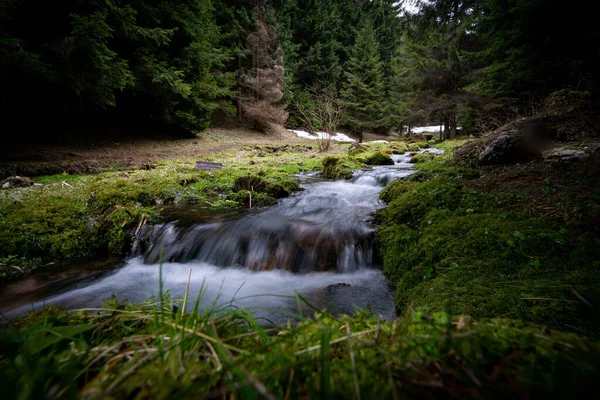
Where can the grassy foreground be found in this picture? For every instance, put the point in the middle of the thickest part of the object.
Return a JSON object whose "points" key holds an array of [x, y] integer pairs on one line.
{"points": [[152, 351]]}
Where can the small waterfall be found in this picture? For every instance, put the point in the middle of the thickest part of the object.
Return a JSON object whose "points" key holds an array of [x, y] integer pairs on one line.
{"points": [[324, 228]]}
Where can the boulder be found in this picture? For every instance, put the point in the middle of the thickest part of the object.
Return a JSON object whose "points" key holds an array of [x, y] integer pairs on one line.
{"points": [[562, 154], [17, 181], [590, 153], [509, 147]]}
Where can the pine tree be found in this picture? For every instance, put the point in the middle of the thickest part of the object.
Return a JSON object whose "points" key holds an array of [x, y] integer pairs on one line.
{"points": [[363, 91]]}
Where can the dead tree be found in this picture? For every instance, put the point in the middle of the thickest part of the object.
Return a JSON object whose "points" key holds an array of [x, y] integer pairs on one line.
{"points": [[261, 81]]}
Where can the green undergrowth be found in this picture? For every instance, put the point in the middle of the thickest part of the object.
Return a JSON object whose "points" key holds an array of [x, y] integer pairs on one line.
{"points": [[363, 156], [448, 247], [72, 217], [153, 351]]}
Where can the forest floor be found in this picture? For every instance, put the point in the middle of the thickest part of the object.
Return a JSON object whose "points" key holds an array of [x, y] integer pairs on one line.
{"points": [[123, 150]]}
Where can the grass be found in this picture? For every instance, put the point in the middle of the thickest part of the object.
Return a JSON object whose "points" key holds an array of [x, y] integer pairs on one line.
{"points": [[152, 350]]}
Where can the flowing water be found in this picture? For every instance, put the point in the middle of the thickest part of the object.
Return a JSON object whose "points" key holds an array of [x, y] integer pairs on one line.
{"points": [[317, 243]]}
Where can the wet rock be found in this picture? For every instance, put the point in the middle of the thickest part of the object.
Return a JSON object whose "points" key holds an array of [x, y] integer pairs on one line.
{"points": [[509, 148], [207, 166], [337, 285], [17, 181]]}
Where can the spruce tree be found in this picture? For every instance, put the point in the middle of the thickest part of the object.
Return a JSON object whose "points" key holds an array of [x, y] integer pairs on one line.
{"points": [[363, 91]]}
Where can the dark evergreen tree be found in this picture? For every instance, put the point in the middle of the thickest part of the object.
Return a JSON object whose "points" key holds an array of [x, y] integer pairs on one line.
{"points": [[363, 91]]}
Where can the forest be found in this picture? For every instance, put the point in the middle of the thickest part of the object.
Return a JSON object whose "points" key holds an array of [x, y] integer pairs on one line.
{"points": [[296, 199], [181, 66]]}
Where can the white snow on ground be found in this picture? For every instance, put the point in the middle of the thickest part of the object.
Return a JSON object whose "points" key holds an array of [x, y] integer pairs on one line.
{"points": [[338, 137], [428, 129], [379, 141], [421, 129]]}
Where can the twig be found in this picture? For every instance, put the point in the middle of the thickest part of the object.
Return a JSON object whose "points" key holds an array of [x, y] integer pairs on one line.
{"points": [[66, 184]]}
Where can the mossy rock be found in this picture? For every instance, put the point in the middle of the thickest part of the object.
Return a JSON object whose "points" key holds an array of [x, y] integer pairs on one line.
{"points": [[399, 147], [282, 188], [335, 167], [413, 147], [377, 158], [246, 198], [423, 145], [357, 150], [251, 183], [422, 157]]}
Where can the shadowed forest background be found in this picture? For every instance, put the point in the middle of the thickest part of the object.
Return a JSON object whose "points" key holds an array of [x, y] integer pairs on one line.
{"points": [[76, 66]]}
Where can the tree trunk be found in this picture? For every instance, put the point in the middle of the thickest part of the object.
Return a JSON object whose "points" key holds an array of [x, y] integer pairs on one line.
{"points": [[446, 128], [441, 133], [360, 135], [453, 127], [239, 71], [409, 131]]}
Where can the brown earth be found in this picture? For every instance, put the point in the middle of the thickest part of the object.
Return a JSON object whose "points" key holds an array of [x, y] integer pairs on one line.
{"points": [[123, 150]]}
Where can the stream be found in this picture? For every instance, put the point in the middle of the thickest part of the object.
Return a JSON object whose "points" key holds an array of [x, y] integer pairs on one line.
{"points": [[317, 243]]}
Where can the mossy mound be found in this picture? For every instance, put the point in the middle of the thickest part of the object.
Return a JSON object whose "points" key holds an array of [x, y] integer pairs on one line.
{"points": [[375, 158], [422, 157], [277, 189], [413, 147], [248, 199], [283, 188], [398, 147], [447, 246], [339, 167]]}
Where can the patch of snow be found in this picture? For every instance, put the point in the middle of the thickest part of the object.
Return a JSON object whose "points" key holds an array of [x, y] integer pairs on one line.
{"points": [[422, 129], [338, 137], [428, 129], [379, 141]]}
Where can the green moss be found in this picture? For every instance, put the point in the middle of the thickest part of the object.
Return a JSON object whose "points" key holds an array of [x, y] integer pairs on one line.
{"points": [[375, 158], [413, 147], [399, 147], [97, 214], [53, 178], [248, 199], [422, 157], [339, 167], [283, 188], [448, 247]]}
